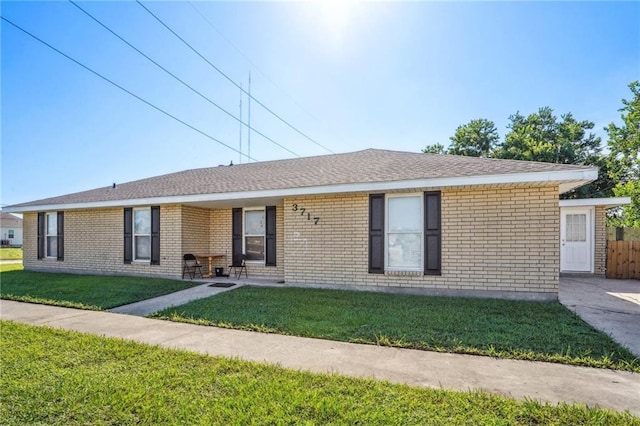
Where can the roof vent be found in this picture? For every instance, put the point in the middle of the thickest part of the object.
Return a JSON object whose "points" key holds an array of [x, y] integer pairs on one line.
{"points": [[113, 186]]}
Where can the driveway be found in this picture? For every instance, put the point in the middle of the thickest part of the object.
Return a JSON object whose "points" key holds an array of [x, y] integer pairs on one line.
{"points": [[611, 306]]}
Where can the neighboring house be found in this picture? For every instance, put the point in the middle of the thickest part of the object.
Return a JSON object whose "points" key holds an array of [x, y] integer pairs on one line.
{"points": [[438, 223], [10, 230]]}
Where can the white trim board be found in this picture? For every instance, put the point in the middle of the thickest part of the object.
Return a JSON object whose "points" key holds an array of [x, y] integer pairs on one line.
{"points": [[607, 202], [566, 179]]}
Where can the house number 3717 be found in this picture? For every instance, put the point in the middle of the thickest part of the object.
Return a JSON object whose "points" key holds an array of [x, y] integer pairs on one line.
{"points": [[303, 211]]}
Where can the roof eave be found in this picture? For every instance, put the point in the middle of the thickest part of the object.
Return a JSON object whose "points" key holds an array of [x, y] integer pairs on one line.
{"points": [[566, 180], [588, 202]]}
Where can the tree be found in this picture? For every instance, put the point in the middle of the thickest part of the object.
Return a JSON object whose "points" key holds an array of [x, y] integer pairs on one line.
{"points": [[541, 136], [624, 158], [477, 138], [437, 148]]}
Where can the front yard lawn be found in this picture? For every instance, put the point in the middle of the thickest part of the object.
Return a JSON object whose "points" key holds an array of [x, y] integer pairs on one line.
{"points": [[82, 291], [61, 377], [9, 253], [543, 331]]}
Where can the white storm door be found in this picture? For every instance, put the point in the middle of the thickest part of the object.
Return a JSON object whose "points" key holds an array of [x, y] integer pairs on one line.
{"points": [[576, 240]]}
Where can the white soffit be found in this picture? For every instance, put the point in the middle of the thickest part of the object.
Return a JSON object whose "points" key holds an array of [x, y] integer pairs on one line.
{"points": [[607, 202]]}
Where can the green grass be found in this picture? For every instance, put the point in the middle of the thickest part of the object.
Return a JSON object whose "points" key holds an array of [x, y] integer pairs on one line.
{"points": [[82, 291], [60, 377], [7, 267], [543, 331], [7, 253]]}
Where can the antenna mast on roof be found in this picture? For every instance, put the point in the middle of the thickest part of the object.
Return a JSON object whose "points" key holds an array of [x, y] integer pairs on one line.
{"points": [[249, 121], [240, 127]]}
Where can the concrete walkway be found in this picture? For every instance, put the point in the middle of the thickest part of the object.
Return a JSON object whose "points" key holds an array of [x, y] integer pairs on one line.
{"points": [[518, 379], [145, 307], [611, 306]]}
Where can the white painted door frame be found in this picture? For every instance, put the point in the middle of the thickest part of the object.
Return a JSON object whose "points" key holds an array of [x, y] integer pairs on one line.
{"points": [[569, 249]]}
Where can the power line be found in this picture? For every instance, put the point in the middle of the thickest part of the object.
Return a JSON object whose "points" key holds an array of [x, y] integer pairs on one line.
{"points": [[231, 80], [179, 79], [118, 86], [253, 64]]}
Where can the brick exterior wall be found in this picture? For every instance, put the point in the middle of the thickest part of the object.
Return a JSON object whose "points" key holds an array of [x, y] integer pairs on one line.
{"points": [[195, 230], [493, 239], [93, 242], [600, 241]]}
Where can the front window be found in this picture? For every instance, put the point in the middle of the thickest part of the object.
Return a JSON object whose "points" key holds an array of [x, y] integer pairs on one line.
{"points": [[404, 233], [142, 234], [52, 234], [254, 235], [10, 234]]}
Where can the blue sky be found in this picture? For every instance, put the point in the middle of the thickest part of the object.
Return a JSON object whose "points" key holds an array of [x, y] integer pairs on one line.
{"points": [[350, 76]]}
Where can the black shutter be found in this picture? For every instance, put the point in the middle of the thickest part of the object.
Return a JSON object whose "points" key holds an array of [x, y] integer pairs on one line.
{"points": [[376, 233], [60, 235], [432, 233], [236, 236], [155, 235], [270, 236], [40, 235], [128, 235]]}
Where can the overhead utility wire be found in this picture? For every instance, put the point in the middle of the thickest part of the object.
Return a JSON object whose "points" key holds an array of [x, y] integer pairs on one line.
{"points": [[180, 80], [253, 64], [120, 87], [231, 80]]}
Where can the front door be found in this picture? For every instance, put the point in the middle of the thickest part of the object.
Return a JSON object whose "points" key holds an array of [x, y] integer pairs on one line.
{"points": [[576, 240]]}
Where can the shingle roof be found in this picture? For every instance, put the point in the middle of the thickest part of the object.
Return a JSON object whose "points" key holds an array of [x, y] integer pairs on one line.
{"points": [[371, 165], [8, 220]]}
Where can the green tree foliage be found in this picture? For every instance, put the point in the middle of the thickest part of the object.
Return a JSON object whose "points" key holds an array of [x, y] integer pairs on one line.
{"points": [[541, 136], [437, 148], [477, 138], [624, 158]]}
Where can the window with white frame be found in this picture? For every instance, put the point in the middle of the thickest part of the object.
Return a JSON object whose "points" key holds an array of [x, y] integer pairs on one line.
{"points": [[10, 234], [404, 232], [254, 230], [52, 234], [142, 234]]}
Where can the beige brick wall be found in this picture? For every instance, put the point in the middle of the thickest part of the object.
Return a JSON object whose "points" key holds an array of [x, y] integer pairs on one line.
{"points": [[333, 251], [195, 230], [499, 239], [220, 236], [93, 242], [600, 241], [30, 234]]}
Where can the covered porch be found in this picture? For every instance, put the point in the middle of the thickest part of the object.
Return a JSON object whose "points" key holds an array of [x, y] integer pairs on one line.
{"points": [[217, 233]]}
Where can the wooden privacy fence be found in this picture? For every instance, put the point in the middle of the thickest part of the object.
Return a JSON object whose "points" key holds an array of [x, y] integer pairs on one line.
{"points": [[623, 259]]}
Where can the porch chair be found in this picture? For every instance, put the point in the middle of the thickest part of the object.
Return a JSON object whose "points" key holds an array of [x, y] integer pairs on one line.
{"points": [[239, 264], [191, 266]]}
